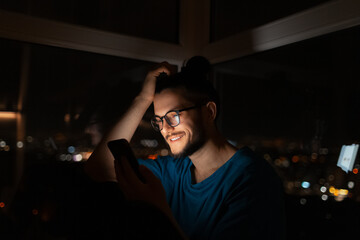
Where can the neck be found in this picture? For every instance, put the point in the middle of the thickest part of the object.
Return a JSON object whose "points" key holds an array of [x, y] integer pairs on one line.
{"points": [[210, 157]]}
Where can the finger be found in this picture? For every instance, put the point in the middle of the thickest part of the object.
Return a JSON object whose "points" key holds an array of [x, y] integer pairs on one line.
{"points": [[128, 173], [160, 70], [163, 67], [119, 173], [171, 68], [159, 65]]}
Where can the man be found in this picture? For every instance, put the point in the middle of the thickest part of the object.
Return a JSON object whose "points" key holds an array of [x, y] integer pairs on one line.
{"points": [[208, 188]]}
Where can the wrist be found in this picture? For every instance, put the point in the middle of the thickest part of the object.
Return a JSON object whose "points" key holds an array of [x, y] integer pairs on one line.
{"points": [[144, 98]]}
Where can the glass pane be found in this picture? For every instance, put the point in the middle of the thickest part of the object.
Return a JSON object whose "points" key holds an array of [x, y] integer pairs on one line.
{"points": [[297, 106], [10, 60], [157, 20], [71, 90], [229, 17]]}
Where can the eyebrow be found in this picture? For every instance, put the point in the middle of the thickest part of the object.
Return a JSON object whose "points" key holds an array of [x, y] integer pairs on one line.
{"points": [[178, 107]]}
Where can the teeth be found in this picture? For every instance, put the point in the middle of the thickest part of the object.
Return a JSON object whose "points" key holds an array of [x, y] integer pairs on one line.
{"points": [[175, 138]]}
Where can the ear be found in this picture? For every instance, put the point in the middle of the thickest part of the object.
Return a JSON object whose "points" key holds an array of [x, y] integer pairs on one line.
{"points": [[211, 110]]}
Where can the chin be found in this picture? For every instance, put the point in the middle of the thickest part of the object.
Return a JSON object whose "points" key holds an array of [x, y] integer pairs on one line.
{"points": [[186, 147], [177, 154], [189, 149]]}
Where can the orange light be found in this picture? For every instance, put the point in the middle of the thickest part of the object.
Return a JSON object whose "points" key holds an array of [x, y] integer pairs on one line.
{"points": [[295, 159], [86, 155], [153, 157], [343, 191], [2, 204], [332, 190], [355, 171], [35, 212], [8, 115]]}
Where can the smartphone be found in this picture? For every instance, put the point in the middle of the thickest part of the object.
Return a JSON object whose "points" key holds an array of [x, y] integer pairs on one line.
{"points": [[121, 148]]}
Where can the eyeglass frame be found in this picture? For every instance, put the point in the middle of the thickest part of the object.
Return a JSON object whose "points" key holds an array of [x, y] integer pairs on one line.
{"points": [[177, 113]]}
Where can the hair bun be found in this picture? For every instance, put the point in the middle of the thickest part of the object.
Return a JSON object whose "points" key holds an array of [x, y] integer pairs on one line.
{"points": [[197, 65]]}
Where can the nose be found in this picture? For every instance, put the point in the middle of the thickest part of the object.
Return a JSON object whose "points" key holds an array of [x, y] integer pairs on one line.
{"points": [[166, 127]]}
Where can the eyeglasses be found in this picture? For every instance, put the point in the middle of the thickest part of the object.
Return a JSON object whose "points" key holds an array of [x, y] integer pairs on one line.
{"points": [[172, 117]]}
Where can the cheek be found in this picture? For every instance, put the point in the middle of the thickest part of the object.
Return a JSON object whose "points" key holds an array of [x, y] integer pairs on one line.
{"points": [[190, 128], [163, 134]]}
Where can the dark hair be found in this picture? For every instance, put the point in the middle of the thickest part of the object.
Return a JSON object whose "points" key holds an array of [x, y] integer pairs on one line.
{"points": [[194, 78]]}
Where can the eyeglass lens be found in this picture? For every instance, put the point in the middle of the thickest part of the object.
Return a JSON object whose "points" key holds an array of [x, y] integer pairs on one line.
{"points": [[172, 118]]}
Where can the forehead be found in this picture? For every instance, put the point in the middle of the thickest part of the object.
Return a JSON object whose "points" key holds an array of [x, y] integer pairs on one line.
{"points": [[170, 99]]}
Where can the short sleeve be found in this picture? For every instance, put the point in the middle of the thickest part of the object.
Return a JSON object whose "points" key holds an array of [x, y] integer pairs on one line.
{"points": [[254, 209]]}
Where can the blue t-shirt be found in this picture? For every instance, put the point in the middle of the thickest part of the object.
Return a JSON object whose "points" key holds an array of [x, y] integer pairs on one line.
{"points": [[241, 200]]}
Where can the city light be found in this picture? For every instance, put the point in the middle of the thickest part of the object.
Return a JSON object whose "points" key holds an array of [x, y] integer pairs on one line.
{"points": [[86, 155], [339, 194], [164, 152], [303, 201], [151, 143], [343, 192], [295, 159], [67, 118], [62, 157], [77, 157], [71, 149], [20, 144], [153, 156], [267, 157], [305, 184], [351, 184], [29, 139], [7, 115], [35, 212]]}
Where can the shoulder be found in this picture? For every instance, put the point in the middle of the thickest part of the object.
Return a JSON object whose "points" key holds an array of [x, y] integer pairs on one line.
{"points": [[253, 170], [166, 164], [170, 161], [248, 160]]}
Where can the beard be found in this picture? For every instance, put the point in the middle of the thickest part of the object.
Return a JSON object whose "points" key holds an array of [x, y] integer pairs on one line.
{"points": [[193, 146]]}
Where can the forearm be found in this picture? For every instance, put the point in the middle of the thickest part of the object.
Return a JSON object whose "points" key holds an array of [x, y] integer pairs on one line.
{"points": [[100, 165]]}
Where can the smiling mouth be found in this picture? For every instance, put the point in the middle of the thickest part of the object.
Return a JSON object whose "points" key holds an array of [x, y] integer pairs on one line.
{"points": [[174, 138]]}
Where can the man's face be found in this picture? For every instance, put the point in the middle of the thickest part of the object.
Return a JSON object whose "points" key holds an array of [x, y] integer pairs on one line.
{"points": [[189, 135]]}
